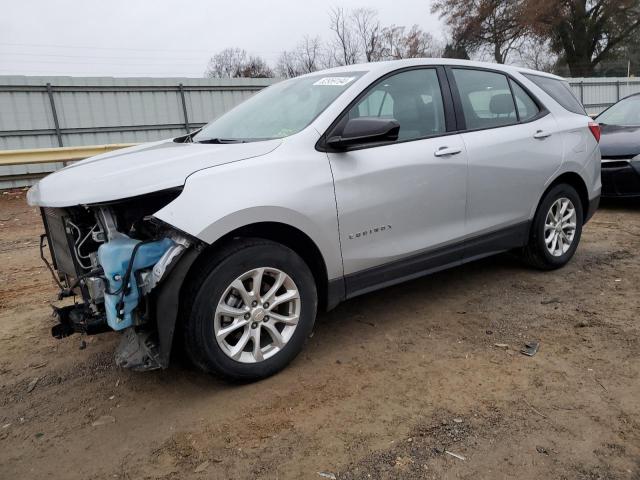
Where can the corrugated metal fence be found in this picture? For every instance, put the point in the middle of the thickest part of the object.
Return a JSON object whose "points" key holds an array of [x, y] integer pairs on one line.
{"points": [[596, 94], [41, 112]]}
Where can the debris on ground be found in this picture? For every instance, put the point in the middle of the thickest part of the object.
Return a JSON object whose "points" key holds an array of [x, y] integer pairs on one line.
{"points": [[504, 346], [327, 475], [542, 450], [454, 455], [104, 420], [550, 301], [32, 384], [530, 348], [202, 467]]}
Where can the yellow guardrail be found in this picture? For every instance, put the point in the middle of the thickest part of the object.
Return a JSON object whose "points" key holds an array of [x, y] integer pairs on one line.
{"points": [[54, 155]]}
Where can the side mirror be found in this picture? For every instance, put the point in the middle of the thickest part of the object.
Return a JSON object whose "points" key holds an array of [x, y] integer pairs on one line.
{"points": [[363, 131]]}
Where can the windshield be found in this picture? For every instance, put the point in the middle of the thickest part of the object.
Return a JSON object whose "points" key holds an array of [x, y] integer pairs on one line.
{"points": [[278, 111], [625, 113]]}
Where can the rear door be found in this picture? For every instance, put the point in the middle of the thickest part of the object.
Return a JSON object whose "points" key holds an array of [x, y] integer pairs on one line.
{"points": [[399, 201], [514, 147]]}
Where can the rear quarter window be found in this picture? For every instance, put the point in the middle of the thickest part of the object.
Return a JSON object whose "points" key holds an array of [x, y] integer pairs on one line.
{"points": [[559, 90]]}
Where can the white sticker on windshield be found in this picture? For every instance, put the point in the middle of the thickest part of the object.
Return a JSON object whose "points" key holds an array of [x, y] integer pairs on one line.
{"points": [[334, 81]]}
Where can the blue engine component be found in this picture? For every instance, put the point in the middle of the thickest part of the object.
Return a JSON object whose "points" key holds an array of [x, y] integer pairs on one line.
{"points": [[114, 257]]}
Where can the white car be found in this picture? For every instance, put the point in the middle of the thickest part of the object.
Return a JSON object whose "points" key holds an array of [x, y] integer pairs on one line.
{"points": [[315, 190]]}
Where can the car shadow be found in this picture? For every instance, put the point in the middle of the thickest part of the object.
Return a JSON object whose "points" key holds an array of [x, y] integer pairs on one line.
{"points": [[331, 326], [632, 203]]}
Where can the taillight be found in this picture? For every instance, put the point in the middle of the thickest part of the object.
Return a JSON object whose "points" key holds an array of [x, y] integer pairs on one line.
{"points": [[595, 130]]}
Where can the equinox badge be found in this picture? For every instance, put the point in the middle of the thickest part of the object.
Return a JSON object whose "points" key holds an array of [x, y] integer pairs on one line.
{"points": [[371, 231]]}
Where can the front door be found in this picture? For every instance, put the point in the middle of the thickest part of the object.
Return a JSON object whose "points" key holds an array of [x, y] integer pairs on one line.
{"points": [[401, 205]]}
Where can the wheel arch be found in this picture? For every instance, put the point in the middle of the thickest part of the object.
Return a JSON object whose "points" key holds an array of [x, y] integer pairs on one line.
{"points": [[329, 292], [576, 181], [170, 296]]}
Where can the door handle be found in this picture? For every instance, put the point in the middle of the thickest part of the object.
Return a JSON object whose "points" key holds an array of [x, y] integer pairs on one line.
{"points": [[541, 135], [444, 151]]}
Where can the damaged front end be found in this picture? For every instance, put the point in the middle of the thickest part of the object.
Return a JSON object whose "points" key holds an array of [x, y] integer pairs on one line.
{"points": [[115, 257]]}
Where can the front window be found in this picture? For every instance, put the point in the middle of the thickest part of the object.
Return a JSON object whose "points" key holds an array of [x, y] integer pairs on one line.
{"points": [[278, 111], [625, 113], [412, 98]]}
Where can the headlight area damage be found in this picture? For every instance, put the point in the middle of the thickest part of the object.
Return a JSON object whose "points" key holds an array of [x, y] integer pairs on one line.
{"points": [[127, 267]]}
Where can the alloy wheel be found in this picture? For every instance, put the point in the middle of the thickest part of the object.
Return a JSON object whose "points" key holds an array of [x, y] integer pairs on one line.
{"points": [[257, 315], [560, 227]]}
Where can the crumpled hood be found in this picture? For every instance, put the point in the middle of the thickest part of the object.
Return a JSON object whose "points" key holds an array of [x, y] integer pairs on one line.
{"points": [[618, 141], [138, 170]]}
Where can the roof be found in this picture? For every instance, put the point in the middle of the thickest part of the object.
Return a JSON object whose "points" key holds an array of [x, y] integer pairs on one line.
{"points": [[390, 65]]}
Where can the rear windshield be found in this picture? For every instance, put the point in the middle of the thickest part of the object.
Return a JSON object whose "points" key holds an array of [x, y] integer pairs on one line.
{"points": [[559, 90]]}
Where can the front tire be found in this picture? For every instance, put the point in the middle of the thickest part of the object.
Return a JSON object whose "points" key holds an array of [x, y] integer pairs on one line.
{"points": [[249, 310], [556, 229]]}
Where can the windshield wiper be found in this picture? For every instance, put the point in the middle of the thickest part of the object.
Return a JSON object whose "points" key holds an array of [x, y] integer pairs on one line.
{"points": [[220, 140]]}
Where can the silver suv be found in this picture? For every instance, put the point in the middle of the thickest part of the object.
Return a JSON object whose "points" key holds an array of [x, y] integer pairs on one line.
{"points": [[314, 191]]}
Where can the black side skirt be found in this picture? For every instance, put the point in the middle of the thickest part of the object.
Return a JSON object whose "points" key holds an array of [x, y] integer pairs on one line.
{"points": [[436, 260]]}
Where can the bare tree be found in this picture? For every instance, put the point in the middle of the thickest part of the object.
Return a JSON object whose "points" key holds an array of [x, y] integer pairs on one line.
{"points": [[226, 63], [234, 63], [419, 43], [255, 67], [357, 36], [397, 43], [536, 53], [345, 44], [287, 66], [368, 32], [307, 57]]}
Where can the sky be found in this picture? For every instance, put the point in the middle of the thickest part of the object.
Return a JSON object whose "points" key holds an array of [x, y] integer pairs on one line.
{"points": [[168, 38]]}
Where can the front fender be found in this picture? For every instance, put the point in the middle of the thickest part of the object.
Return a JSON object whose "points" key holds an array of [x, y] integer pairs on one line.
{"points": [[285, 186]]}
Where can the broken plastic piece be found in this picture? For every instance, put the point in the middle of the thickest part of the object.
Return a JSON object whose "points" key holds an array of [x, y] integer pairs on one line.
{"points": [[137, 351], [530, 348]]}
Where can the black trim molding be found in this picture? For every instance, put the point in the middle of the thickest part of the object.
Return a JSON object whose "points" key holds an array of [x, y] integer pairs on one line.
{"points": [[437, 259]]}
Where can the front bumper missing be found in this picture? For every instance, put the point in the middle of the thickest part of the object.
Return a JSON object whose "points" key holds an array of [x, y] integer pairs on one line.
{"points": [[78, 319]]}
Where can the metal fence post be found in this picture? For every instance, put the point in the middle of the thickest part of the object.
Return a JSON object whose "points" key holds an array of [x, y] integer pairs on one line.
{"points": [[581, 85], [184, 107], [617, 90], [55, 114]]}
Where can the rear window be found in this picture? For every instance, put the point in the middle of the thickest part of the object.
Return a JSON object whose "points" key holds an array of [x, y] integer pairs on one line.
{"points": [[559, 90], [486, 98]]}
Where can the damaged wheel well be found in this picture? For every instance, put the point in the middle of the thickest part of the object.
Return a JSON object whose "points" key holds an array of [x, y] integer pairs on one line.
{"points": [[172, 295]]}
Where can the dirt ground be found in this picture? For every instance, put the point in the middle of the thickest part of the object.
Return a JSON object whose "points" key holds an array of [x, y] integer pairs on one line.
{"points": [[388, 385]]}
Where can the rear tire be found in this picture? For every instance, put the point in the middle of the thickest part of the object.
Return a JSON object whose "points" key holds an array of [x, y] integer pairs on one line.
{"points": [[556, 229], [249, 309]]}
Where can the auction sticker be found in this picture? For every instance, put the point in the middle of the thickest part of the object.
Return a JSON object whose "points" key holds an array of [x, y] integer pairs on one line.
{"points": [[335, 81]]}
